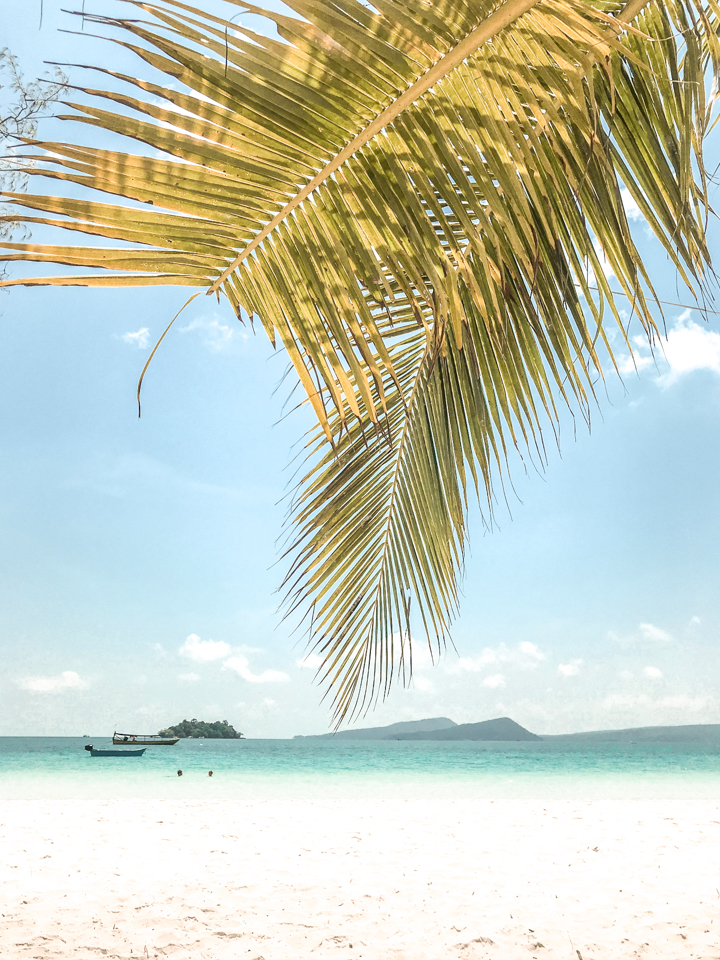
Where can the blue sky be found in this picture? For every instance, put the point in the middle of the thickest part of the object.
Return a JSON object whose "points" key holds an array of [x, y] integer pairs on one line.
{"points": [[139, 557]]}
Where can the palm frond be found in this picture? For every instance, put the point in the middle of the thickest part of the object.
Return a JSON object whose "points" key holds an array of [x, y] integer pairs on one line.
{"points": [[417, 200]]}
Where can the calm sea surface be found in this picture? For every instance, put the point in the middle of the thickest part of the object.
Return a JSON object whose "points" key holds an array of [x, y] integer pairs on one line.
{"points": [[49, 768]]}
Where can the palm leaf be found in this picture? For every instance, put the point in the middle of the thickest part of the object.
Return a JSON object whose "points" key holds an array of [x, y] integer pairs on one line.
{"points": [[418, 201]]}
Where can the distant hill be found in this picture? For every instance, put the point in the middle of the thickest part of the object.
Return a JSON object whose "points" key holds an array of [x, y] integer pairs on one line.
{"points": [[503, 728], [695, 732], [391, 732]]}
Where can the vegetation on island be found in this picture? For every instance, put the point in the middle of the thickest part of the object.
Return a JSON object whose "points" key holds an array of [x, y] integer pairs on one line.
{"points": [[199, 729], [423, 204]]}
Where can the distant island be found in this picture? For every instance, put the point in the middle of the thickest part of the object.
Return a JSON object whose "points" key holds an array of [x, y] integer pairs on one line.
{"points": [[436, 728], [390, 732], [505, 729], [502, 728], [199, 729], [685, 733]]}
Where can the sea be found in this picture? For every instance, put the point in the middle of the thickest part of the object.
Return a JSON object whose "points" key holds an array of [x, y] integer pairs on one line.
{"points": [[306, 769]]}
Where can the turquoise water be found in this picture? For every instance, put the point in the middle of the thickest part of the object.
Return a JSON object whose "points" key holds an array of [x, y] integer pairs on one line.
{"points": [[60, 768]]}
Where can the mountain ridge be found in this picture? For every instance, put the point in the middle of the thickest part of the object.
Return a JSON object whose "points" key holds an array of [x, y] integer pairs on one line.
{"points": [[385, 733], [678, 733], [503, 728]]}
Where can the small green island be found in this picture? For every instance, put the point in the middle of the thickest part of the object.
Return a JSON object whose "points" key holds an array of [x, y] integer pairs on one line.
{"points": [[199, 729]]}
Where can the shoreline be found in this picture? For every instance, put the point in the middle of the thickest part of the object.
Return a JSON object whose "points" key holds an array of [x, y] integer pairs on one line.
{"points": [[405, 879]]}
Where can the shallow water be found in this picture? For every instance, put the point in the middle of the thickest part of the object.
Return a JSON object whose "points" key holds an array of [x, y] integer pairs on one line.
{"points": [[59, 767]]}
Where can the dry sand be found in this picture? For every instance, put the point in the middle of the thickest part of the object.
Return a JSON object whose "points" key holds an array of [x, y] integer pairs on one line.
{"points": [[417, 880]]}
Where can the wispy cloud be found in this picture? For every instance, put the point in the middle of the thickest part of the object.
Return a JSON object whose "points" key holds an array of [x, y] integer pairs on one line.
{"points": [[653, 673], [495, 682], [478, 663], [204, 651], [632, 210], [189, 677], [140, 339], [648, 631], [571, 669], [525, 655], [684, 703], [688, 347], [644, 633], [604, 263], [67, 680], [530, 651], [213, 333], [679, 702], [241, 665], [310, 662], [626, 701]]}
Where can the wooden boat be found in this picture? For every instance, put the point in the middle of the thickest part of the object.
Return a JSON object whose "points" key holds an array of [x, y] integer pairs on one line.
{"points": [[143, 740], [114, 753]]}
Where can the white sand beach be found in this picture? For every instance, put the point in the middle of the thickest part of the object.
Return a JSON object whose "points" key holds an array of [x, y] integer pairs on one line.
{"points": [[412, 880]]}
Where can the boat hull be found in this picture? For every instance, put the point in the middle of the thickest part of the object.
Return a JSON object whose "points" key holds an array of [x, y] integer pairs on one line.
{"points": [[125, 740], [116, 753]]}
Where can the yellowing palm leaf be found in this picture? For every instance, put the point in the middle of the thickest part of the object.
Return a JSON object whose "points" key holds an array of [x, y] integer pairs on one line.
{"points": [[418, 200]]}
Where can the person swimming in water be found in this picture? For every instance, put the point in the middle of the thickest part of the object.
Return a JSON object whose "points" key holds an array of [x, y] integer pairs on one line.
{"points": [[179, 773], [209, 773]]}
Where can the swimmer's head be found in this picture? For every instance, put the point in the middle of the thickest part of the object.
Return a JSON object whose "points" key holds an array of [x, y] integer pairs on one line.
{"points": [[179, 773], [209, 773]]}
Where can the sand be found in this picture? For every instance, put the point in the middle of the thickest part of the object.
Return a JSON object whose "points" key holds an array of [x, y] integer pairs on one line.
{"points": [[417, 879]]}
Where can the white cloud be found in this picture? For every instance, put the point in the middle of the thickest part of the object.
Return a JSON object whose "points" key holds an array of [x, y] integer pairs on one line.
{"points": [[204, 651], [603, 261], [188, 677], [571, 669], [495, 682], [422, 655], [241, 666], [645, 633], [530, 650], [140, 339], [679, 702], [212, 332], [476, 664], [67, 680], [526, 655], [632, 210], [422, 684], [310, 662], [419, 652], [650, 632], [695, 621], [626, 674], [653, 673], [626, 701], [688, 347], [640, 359], [687, 704]]}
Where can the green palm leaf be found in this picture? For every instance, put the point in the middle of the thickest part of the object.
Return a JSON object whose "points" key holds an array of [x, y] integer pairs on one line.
{"points": [[418, 201]]}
